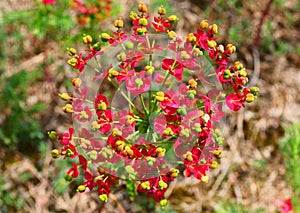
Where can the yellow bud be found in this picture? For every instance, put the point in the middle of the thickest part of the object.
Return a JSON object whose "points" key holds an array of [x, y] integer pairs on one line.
{"points": [[143, 22], [188, 156], [230, 48], [162, 184], [133, 15], [71, 51], [142, 8], [161, 11], [243, 73], [174, 172], [168, 131], [81, 188], [211, 44], [87, 39], [218, 153], [76, 82], [214, 165], [250, 97], [68, 108], [119, 23], [55, 153], [95, 126], [146, 185], [192, 83], [64, 96], [103, 197], [160, 152], [254, 90], [213, 29], [141, 30], [160, 96], [105, 37], [116, 132], [102, 106], [203, 24], [204, 179], [72, 62], [191, 38], [172, 34], [173, 18]]}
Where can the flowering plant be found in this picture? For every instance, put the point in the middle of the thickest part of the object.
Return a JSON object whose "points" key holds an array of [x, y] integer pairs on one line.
{"points": [[144, 103], [96, 9]]}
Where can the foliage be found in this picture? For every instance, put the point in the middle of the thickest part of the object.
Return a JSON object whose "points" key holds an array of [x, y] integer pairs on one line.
{"points": [[19, 126], [290, 148]]}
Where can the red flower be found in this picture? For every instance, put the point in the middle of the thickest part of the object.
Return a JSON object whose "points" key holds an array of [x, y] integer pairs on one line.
{"points": [[174, 67], [235, 102], [73, 172], [49, 2], [83, 115], [139, 83], [66, 137], [100, 104], [161, 24], [69, 151], [80, 63], [284, 205], [119, 38], [105, 121]]}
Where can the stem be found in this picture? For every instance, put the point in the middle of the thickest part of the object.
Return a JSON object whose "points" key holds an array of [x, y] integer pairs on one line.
{"points": [[261, 21], [122, 93], [143, 104]]}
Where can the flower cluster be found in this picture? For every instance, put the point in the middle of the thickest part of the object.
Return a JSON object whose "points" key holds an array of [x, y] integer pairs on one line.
{"points": [[96, 9], [160, 108]]}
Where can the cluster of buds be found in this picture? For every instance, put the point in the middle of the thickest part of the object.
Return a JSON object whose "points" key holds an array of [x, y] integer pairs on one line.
{"points": [[96, 9], [157, 114]]}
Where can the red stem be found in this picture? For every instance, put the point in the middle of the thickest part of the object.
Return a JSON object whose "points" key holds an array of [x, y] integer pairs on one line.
{"points": [[265, 13]]}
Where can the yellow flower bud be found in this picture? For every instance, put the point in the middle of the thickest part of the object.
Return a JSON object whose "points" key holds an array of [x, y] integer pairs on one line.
{"points": [[160, 96], [105, 37], [71, 51], [214, 165], [250, 97], [168, 131], [133, 15], [146, 185], [218, 153], [64, 96], [81, 188], [213, 29], [211, 44], [230, 48], [72, 62], [161, 11], [192, 83], [76, 82], [172, 34], [191, 38], [119, 23], [87, 39], [55, 153], [203, 24], [204, 179], [142, 8], [173, 18], [68, 108], [143, 22]]}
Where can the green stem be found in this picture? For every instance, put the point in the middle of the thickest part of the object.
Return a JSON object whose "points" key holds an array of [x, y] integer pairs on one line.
{"points": [[143, 104], [123, 94]]}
